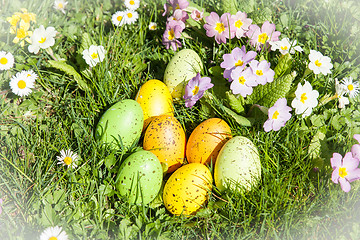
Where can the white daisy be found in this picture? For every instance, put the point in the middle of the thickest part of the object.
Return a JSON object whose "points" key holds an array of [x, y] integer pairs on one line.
{"points": [[351, 87], [152, 26], [53, 233], [60, 5], [132, 4], [42, 38], [340, 91], [319, 63], [6, 60], [68, 158], [118, 18], [31, 74], [130, 16], [21, 85], [94, 55]]}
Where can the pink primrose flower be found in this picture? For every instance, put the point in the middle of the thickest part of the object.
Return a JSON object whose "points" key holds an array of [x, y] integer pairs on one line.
{"points": [[195, 89], [260, 37], [262, 70], [172, 33], [345, 170], [278, 114], [219, 27], [241, 24], [175, 4], [243, 81], [197, 15]]}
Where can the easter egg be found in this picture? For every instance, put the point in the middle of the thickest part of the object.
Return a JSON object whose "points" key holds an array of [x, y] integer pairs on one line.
{"points": [[181, 68], [121, 124], [238, 165], [165, 137], [140, 177], [206, 140], [155, 99], [187, 189]]}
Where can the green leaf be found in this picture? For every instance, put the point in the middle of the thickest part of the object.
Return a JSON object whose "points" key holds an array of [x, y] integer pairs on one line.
{"points": [[266, 95], [235, 103], [229, 6], [70, 71], [86, 42], [110, 161], [247, 6], [283, 66], [243, 121]]}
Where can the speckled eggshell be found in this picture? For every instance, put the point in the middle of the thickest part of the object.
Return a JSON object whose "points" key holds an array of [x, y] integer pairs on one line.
{"points": [[187, 189], [123, 122], [206, 140], [238, 165], [155, 99], [181, 68], [165, 137], [140, 177]]}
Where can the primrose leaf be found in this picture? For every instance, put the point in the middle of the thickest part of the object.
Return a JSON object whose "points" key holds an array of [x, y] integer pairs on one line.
{"points": [[229, 6], [243, 121]]}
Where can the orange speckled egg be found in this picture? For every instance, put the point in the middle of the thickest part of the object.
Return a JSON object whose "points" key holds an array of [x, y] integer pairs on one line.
{"points": [[165, 137], [187, 189], [155, 99], [206, 140]]}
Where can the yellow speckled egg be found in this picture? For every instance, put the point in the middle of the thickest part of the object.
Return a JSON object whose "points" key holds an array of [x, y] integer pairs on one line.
{"points": [[187, 189], [155, 99], [165, 137], [206, 140]]}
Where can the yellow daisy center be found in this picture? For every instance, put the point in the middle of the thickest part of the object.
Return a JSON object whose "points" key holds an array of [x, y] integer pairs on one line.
{"points": [[119, 18], [342, 172], [67, 160], [238, 23], [153, 27], [3, 61], [171, 34], [303, 98], [132, 2], [239, 63], [259, 72], [275, 115], [220, 27], [262, 38], [94, 55], [350, 86], [42, 40], [21, 84], [129, 15], [60, 5], [317, 63], [242, 80], [53, 238], [196, 90], [284, 48]]}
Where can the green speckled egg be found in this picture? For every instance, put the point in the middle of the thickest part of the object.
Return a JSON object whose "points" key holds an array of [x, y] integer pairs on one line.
{"points": [[238, 165], [123, 122], [181, 68], [187, 189], [140, 177]]}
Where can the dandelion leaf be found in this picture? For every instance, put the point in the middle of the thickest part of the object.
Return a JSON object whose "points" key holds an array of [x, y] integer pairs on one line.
{"points": [[68, 69], [266, 95]]}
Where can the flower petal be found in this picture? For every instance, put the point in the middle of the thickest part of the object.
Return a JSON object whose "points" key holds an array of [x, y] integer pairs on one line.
{"points": [[345, 185], [336, 160]]}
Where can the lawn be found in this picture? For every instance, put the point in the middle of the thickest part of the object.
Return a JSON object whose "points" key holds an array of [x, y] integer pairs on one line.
{"points": [[92, 59]]}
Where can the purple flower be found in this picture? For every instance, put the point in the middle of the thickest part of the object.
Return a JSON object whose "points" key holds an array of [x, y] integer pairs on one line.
{"points": [[197, 15], [345, 170], [355, 149], [219, 27], [238, 58], [262, 36], [243, 81], [278, 114], [179, 15], [195, 89], [172, 33], [175, 4], [262, 70], [241, 23]]}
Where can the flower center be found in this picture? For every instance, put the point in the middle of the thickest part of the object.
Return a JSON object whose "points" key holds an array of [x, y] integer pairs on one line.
{"points": [[119, 18], [284, 47], [196, 90], [3, 61], [262, 38], [94, 55], [60, 5], [239, 63], [220, 27], [242, 80], [350, 86], [21, 33], [53, 238], [317, 63], [171, 34], [67, 160], [238, 23], [153, 27], [275, 115], [303, 97], [259, 72], [42, 40], [132, 2], [21, 84], [129, 15], [342, 172], [177, 6]]}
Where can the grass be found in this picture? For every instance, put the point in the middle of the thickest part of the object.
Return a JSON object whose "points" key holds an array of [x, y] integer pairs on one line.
{"points": [[291, 202]]}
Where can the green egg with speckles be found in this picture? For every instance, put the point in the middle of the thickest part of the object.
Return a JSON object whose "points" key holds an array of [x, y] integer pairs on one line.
{"points": [[140, 177], [121, 124], [238, 165], [182, 67]]}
